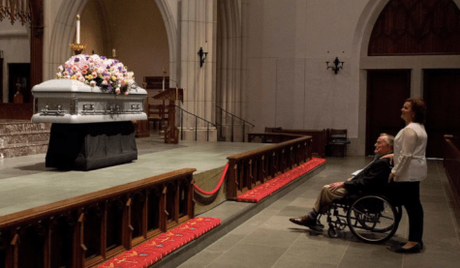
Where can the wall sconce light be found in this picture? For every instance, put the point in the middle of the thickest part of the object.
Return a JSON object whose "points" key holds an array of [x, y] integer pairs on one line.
{"points": [[202, 55], [337, 65]]}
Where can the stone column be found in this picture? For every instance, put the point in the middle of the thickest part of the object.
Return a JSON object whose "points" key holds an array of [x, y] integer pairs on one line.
{"points": [[36, 43], [198, 30]]}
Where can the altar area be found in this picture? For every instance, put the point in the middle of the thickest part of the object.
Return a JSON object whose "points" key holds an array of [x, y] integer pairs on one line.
{"points": [[25, 182]]}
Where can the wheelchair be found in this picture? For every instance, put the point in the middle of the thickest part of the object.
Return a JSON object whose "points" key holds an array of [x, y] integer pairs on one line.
{"points": [[372, 218]]}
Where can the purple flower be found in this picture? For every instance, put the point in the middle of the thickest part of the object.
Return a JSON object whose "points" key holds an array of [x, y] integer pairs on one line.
{"points": [[115, 60], [103, 57]]}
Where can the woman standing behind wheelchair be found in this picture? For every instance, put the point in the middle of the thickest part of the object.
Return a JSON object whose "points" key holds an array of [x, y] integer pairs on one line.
{"points": [[409, 169]]}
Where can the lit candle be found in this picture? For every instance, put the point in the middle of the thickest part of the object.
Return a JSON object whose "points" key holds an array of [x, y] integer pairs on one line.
{"points": [[78, 29], [114, 53]]}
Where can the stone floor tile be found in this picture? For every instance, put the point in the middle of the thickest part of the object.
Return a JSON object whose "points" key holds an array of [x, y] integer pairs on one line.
{"points": [[225, 243], [279, 238], [293, 262], [251, 256], [201, 260]]}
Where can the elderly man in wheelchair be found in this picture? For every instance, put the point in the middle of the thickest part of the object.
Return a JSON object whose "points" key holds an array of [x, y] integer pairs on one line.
{"points": [[370, 215]]}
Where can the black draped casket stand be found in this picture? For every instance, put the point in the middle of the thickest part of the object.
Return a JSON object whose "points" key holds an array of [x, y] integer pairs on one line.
{"points": [[90, 146]]}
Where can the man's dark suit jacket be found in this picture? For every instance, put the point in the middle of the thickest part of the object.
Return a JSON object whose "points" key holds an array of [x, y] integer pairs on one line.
{"points": [[373, 178]]}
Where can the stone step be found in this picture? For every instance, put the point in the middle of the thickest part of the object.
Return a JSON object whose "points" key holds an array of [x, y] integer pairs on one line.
{"points": [[15, 127], [23, 149], [9, 140], [21, 138]]}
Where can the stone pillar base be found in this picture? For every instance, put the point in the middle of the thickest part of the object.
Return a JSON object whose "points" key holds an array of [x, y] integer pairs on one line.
{"points": [[201, 134]]}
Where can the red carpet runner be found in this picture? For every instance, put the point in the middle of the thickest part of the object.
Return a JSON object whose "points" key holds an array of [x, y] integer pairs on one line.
{"points": [[260, 192], [156, 248]]}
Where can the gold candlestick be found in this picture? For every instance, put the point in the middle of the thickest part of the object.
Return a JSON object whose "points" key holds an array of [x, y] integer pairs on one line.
{"points": [[77, 48]]}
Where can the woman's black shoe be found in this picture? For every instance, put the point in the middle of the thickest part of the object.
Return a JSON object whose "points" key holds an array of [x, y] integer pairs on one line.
{"points": [[415, 249]]}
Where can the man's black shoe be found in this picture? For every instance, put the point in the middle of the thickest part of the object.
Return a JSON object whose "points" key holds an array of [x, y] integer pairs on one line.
{"points": [[305, 221]]}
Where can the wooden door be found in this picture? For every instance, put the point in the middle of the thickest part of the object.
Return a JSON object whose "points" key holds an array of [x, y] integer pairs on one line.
{"points": [[386, 92], [442, 97]]}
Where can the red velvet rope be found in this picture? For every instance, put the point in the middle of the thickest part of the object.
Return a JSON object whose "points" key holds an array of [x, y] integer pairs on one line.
{"points": [[218, 185]]}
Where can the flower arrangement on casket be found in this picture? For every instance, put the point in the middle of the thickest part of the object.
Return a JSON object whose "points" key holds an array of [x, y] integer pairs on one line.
{"points": [[108, 74]]}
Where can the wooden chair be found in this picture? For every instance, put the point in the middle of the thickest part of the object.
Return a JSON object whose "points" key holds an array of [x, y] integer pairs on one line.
{"points": [[337, 140], [157, 114]]}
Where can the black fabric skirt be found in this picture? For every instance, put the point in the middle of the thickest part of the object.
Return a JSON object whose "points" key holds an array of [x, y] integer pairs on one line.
{"points": [[91, 146]]}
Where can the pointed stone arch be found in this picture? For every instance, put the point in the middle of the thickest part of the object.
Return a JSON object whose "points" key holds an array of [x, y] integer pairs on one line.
{"points": [[61, 36], [172, 33], [363, 62], [230, 43]]}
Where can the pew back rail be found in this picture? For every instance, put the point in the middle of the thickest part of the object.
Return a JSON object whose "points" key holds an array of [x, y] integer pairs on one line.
{"points": [[87, 230], [250, 169], [452, 163]]}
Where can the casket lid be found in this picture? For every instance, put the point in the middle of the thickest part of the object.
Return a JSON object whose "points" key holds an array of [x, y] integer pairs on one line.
{"points": [[69, 85]]}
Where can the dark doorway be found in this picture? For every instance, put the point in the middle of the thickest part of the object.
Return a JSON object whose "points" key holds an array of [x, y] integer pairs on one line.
{"points": [[442, 97], [19, 75], [386, 92]]}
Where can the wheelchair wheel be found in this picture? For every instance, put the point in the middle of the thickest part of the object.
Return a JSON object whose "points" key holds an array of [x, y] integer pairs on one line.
{"points": [[332, 232], [373, 219]]}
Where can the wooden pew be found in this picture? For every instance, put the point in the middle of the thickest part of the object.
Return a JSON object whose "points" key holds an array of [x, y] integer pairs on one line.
{"points": [[87, 230], [319, 137], [249, 169], [451, 155], [19, 111]]}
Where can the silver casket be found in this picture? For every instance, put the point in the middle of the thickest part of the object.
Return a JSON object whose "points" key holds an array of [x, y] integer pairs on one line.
{"points": [[73, 102]]}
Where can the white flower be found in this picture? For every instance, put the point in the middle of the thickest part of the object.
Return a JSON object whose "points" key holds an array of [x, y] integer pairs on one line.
{"points": [[92, 83]]}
